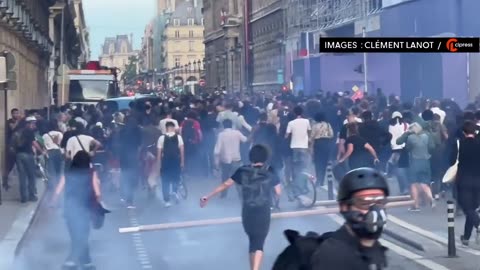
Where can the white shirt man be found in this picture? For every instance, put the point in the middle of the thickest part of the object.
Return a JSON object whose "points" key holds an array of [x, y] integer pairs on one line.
{"points": [[52, 140], [227, 148], [163, 124], [299, 129], [79, 143]]}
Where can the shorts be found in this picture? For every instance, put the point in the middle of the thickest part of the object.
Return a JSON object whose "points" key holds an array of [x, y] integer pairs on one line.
{"points": [[419, 171]]}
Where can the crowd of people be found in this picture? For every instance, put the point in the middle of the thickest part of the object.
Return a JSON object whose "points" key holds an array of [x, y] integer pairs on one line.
{"points": [[194, 136]]}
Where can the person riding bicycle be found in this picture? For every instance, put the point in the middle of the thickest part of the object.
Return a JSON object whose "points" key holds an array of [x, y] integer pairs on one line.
{"points": [[362, 196]]}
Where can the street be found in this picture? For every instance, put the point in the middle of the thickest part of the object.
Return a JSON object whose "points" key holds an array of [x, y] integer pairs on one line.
{"points": [[212, 247]]}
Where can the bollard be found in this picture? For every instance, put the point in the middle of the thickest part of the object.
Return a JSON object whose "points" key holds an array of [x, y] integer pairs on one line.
{"points": [[330, 181], [452, 251]]}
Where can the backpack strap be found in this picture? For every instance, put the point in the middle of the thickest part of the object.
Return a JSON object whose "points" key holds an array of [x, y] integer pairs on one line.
{"points": [[81, 145]]}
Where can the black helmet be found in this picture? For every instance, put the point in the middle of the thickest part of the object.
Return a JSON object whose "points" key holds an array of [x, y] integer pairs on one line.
{"points": [[361, 179]]}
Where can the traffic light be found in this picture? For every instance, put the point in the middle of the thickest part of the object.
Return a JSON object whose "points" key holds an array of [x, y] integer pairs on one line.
{"points": [[8, 75]]}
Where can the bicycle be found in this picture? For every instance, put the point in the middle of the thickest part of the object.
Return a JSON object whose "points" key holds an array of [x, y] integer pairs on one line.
{"points": [[305, 192], [182, 188]]}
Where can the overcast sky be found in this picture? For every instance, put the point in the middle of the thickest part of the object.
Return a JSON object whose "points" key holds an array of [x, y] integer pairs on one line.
{"points": [[108, 18]]}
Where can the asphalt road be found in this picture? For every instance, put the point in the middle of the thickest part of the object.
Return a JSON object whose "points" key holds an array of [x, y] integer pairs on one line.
{"points": [[215, 247]]}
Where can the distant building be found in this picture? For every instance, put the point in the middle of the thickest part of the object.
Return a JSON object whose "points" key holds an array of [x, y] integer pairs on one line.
{"points": [[116, 52], [82, 32], [183, 48], [146, 54]]}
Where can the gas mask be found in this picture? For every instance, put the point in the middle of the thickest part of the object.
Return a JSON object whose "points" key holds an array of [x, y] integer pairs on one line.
{"points": [[367, 225]]}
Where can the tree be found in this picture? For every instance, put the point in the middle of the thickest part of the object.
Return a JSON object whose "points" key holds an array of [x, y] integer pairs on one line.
{"points": [[130, 73]]}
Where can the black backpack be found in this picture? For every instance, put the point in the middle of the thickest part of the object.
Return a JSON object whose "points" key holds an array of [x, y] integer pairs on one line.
{"points": [[170, 147], [257, 187], [297, 256]]}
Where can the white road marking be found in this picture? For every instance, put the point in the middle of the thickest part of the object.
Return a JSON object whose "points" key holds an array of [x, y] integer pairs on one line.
{"points": [[432, 236], [142, 255], [401, 251]]}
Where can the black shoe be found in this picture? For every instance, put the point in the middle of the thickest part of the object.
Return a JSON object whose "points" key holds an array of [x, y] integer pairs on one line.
{"points": [[23, 200], [464, 241], [33, 198]]}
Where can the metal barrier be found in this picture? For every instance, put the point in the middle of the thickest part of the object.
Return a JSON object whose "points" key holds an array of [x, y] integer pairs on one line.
{"points": [[452, 250], [390, 200], [220, 221]]}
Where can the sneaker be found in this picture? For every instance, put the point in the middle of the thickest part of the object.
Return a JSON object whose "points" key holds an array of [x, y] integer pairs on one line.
{"points": [[414, 209], [168, 204], [477, 236], [437, 197], [131, 206], [69, 265], [464, 241], [88, 266]]}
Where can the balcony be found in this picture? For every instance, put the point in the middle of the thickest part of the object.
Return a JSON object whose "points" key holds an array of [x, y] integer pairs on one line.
{"points": [[308, 15]]}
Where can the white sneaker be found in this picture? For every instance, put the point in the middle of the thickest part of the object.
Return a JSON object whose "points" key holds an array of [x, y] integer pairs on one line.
{"points": [[168, 204], [131, 207]]}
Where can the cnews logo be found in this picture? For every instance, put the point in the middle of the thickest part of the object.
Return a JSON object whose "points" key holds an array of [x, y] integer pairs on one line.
{"points": [[451, 44]]}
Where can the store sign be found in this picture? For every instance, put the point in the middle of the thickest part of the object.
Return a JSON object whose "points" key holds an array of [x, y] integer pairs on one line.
{"points": [[389, 3]]}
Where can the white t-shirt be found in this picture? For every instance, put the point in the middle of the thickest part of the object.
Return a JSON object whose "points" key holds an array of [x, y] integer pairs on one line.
{"points": [[163, 124], [161, 140], [299, 129], [49, 143], [73, 146]]}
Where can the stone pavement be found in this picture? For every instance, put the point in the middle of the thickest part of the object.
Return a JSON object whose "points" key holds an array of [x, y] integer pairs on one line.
{"points": [[16, 219]]}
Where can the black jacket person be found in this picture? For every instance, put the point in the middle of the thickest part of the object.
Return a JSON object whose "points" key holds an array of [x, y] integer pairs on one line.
{"points": [[361, 197]]}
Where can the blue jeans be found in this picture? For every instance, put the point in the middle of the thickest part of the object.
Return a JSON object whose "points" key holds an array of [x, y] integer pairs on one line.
{"points": [[55, 166], [128, 183], [300, 158], [26, 174]]}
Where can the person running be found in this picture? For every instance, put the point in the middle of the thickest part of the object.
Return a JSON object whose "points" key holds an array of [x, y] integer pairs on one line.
{"points": [[170, 161], [257, 181]]}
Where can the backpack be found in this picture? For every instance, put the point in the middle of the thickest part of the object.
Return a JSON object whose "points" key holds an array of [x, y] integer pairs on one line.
{"points": [[298, 254], [189, 134], [170, 148], [18, 140], [256, 187]]}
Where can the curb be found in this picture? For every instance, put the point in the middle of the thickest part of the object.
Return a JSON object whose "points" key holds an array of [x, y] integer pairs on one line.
{"points": [[14, 239], [33, 218]]}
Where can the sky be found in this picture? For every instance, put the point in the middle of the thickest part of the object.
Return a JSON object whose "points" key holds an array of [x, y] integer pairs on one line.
{"points": [[108, 18]]}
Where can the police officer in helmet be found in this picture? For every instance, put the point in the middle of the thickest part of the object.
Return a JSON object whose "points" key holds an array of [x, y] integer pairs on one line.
{"points": [[362, 196]]}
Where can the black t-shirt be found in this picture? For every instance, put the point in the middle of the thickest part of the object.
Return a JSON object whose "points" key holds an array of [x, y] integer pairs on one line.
{"points": [[251, 190], [27, 137], [360, 157]]}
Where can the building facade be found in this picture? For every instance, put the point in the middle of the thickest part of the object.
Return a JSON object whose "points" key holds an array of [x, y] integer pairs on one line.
{"points": [[267, 27], [83, 34], [116, 52], [225, 56], [24, 32], [183, 48], [429, 75], [146, 55]]}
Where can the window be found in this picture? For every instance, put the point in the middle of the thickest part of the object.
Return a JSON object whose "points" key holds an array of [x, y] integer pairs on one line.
{"points": [[177, 34], [176, 22], [191, 46], [190, 33], [191, 21], [177, 61]]}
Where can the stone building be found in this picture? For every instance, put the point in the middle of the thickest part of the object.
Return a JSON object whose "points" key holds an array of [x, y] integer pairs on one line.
{"points": [[116, 52], [24, 32], [183, 48], [146, 54], [267, 34]]}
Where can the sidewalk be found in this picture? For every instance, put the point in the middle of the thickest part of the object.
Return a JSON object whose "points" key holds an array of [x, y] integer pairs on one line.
{"points": [[15, 220]]}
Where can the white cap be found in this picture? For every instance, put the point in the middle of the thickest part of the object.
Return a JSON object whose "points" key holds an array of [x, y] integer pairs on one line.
{"points": [[31, 119], [397, 114]]}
